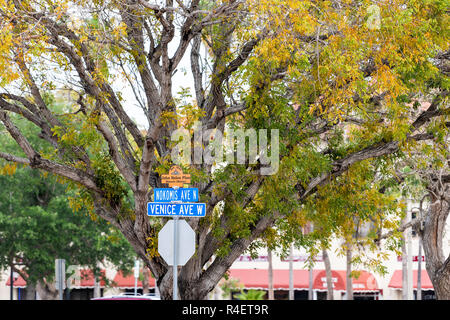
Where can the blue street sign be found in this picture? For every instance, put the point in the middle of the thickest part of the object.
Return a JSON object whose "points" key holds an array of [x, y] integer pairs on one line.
{"points": [[181, 194], [163, 209]]}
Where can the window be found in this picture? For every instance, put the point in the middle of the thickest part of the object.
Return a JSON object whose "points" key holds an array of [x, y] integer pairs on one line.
{"points": [[426, 295], [80, 294], [364, 296]]}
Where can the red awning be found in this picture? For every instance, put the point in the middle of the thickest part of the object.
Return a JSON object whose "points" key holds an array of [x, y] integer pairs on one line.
{"points": [[337, 278], [127, 282], [258, 279], [86, 280], [18, 283], [396, 280], [362, 281]]}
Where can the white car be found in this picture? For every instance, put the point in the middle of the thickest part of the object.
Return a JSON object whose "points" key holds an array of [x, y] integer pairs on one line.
{"points": [[130, 296]]}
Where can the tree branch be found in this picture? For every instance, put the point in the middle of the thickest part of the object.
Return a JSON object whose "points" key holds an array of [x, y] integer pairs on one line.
{"points": [[376, 150], [36, 161], [13, 158]]}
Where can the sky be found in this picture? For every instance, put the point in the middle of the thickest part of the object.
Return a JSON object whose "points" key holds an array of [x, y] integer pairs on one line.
{"points": [[181, 79]]}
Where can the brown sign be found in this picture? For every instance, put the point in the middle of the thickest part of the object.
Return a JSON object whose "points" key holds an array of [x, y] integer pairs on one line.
{"points": [[176, 177]]}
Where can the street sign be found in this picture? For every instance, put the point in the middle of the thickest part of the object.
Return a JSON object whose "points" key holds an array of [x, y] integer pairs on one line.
{"points": [[185, 242], [176, 177], [136, 268], [181, 194], [163, 209]]}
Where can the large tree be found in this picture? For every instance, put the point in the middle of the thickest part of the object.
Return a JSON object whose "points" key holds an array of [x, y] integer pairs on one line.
{"points": [[340, 80], [37, 226]]}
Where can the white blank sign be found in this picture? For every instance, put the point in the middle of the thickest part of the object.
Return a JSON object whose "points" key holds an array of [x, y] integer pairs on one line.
{"points": [[186, 242]]}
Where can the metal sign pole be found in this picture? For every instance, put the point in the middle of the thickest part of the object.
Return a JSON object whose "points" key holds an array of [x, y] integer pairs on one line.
{"points": [[136, 275], [59, 280], [60, 266], [11, 288], [175, 256]]}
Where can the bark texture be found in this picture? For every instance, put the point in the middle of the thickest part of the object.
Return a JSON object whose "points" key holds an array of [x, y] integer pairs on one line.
{"points": [[145, 284], [46, 291], [31, 292], [326, 261], [349, 279], [437, 265], [270, 274]]}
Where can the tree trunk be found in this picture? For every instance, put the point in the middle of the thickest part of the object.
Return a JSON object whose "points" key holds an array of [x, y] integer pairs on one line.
{"points": [[46, 291], [291, 273], [270, 272], [419, 272], [349, 274], [409, 264], [404, 263], [194, 280], [437, 265], [96, 288], [145, 284], [31, 292], [441, 284], [326, 261], [310, 284]]}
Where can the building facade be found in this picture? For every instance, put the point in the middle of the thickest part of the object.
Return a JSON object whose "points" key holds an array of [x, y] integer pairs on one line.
{"points": [[252, 273]]}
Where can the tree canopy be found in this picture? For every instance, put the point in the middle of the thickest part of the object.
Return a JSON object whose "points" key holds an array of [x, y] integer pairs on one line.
{"points": [[344, 83]]}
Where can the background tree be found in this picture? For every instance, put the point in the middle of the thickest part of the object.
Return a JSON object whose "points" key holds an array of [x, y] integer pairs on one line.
{"points": [[270, 290], [429, 184], [326, 262], [37, 226], [438, 265], [340, 85], [422, 176]]}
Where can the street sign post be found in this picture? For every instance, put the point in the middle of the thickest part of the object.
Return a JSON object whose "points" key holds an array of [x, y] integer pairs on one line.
{"points": [[136, 275], [176, 240]]}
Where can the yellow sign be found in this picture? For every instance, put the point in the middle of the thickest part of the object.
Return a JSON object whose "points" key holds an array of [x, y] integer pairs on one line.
{"points": [[176, 177]]}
